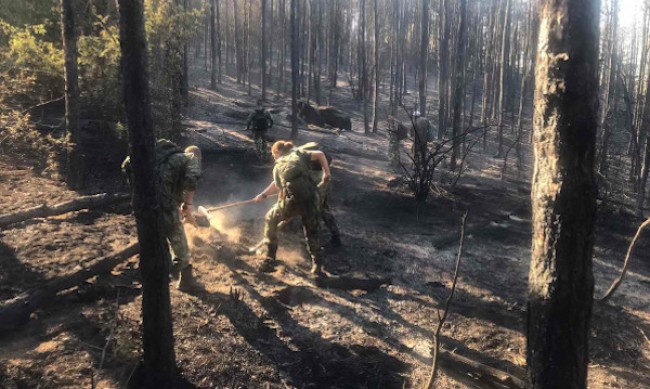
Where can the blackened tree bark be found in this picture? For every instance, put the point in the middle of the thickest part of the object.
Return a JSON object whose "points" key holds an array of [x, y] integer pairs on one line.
{"points": [[75, 166], [459, 93], [157, 336], [363, 82], [213, 47], [424, 55], [263, 51], [294, 68], [185, 76], [561, 284], [443, 67], [375, 92], [219, 39]]}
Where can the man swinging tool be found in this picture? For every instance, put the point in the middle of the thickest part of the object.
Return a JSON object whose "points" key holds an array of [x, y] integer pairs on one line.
{"points": [[260, 121], [298, 195], [178, 172]]}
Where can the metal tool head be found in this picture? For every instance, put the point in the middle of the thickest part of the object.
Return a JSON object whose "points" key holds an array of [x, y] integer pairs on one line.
{"points": [[202, 217]]}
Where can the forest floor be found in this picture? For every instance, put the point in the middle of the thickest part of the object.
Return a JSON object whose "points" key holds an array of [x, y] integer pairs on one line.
{"points": [[245, 329]]}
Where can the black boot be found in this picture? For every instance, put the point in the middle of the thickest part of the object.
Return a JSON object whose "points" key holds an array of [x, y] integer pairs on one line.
{"points": [[186, 281], [268, 257]]}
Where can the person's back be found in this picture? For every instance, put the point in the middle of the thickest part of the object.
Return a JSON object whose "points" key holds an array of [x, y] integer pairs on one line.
{"points": [[178, 171]]}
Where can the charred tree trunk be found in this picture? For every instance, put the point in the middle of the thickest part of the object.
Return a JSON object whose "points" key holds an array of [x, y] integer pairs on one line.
{"points": [[424, 56], [375, 92], [505, 43], [157, 334], [561, 283], [459, 94], [363, 82], [443, 68], [263, 49], [75, 165], [294, 68], [213, 48]]}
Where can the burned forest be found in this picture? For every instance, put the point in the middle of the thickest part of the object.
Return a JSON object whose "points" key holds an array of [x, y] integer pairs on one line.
{"points": [[327, 194]]}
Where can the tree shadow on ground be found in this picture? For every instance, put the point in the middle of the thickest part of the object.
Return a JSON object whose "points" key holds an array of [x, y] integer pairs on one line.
{"points": [[305, 357]]}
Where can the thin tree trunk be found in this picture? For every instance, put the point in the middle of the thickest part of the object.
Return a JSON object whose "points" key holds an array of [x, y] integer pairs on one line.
{"points": [[213, 47], [75, 164], [424, 56], [157, 334], [294, 69], [363, 83], [502, 76], [561, 283], [375, 92], [460, 82], [263, 52]]}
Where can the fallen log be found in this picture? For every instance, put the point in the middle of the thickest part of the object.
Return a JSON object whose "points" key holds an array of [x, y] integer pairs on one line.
{"points": [[16, 312], [85, 202]]}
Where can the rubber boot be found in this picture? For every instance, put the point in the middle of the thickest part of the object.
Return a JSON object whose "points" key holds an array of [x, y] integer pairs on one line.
{"points": [[186, 281], [268, 257]]}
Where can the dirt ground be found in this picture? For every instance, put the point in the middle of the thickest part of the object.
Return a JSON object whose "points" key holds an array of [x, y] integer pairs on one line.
{"points": [[245, 329]]}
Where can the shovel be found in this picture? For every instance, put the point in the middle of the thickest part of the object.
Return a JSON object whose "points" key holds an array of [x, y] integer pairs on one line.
{"points": [[203, 214]]}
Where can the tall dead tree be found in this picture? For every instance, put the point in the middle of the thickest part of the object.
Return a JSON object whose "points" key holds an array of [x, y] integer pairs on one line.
{"points": [[75, 166], [294, 68], [424, 56], [561, 283], [609, 90], [213, 47], [157, 334], [263, 53], [459, 93], [363, 81], [219, 39], [505, 45], [443, 66], [375, 92]]}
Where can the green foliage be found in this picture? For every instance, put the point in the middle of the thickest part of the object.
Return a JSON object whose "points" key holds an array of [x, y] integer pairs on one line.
{"points": [[27, 144], [99, 59], [30, 67]]}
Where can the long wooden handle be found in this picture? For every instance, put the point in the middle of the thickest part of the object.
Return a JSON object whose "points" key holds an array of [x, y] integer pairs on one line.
{"points": [[232, 205]]}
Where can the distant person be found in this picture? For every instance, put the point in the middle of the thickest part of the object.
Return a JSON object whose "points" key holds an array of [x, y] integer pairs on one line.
{"points": [[420, 133], [178, 172], [298, 196], [260, 121], [397, 132]]}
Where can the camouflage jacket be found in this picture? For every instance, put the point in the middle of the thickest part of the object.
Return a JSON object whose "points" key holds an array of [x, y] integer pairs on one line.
{"points": [[259, 120], [292, 175], [177, 172]]}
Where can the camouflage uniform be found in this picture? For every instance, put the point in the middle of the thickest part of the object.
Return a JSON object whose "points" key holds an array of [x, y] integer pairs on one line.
{"points": [[177, 172], [298, 196], [394, 144], [420, 137], [326, 211], [260, 121]]}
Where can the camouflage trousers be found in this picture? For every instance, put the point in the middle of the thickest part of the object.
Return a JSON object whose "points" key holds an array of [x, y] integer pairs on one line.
{"points": [[175, 234], [261, 146], [326, 211], [394, 147], [310, 216]]}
